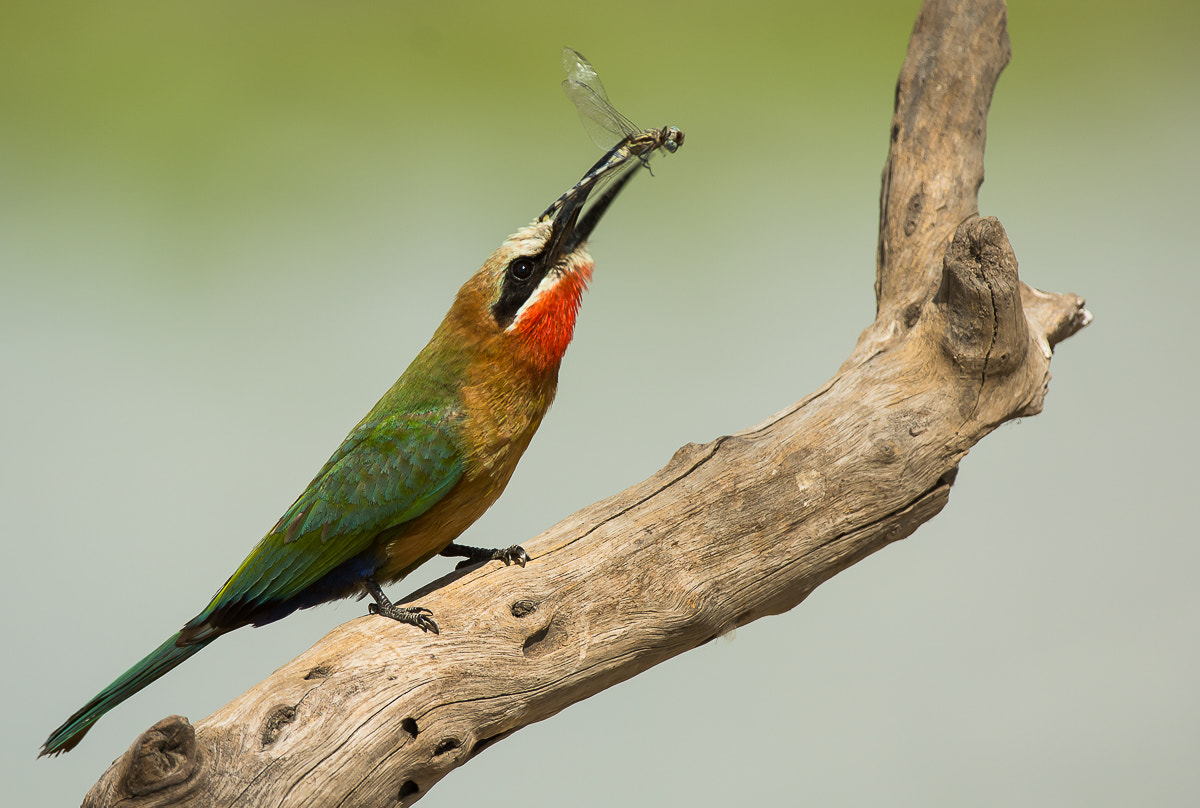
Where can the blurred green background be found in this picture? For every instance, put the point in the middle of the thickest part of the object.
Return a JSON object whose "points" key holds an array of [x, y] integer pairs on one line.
{"points": [[225, 229]]}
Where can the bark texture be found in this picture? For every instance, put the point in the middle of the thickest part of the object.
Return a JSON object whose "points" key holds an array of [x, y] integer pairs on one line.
{"points": [[747, 525]]}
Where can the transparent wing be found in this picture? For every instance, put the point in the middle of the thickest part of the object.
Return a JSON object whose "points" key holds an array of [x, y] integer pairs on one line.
{"points": [[601, 120]]}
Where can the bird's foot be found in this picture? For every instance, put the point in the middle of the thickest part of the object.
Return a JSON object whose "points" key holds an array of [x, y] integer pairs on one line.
{"points": [[417, 616], [412, 615], [509, 555]]}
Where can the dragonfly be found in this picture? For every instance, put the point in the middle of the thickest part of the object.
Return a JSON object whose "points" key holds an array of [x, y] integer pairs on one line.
{"points": [[602, 121]]}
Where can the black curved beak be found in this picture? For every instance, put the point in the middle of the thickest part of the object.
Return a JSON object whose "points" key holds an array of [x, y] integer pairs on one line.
{"points": [[571, 225]]}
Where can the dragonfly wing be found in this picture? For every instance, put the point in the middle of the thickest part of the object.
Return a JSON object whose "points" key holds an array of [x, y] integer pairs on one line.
{"points": [[595, 114], [580, 71], [602, 121]]}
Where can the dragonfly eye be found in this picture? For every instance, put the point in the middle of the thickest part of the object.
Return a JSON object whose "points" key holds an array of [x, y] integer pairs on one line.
{"points": [[673, 139]]}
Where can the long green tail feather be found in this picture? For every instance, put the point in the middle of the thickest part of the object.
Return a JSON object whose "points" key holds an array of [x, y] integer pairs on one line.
{"points": [[155, 664]]}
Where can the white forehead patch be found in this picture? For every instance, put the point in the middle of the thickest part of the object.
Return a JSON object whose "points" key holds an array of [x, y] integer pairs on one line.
{"points": [[529, 239]]}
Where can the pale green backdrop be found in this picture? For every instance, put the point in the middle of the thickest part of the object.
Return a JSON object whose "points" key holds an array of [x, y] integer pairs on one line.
{"points": [[225, 228]]}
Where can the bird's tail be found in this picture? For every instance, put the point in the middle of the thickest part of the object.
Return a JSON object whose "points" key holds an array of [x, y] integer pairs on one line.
{"points": [[155, 664]]}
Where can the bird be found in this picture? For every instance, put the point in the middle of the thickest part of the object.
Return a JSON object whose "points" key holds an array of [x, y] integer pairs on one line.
{"points": [[432, 455]]}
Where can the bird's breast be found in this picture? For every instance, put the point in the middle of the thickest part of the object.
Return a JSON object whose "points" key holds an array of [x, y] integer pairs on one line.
{"points": [[498, 422]]}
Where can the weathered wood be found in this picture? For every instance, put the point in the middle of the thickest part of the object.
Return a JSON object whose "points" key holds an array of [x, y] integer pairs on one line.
{"points": [[745, 526]]}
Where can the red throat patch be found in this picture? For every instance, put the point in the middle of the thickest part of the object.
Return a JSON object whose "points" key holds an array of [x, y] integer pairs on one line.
{"points": [[546, 327]]}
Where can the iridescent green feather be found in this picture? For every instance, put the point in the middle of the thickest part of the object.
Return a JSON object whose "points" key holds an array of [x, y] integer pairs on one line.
{"points": [[394, 466], [389, 470]]}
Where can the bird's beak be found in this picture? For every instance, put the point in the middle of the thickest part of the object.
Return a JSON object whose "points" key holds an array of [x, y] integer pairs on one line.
{"points": [[570, 223]]}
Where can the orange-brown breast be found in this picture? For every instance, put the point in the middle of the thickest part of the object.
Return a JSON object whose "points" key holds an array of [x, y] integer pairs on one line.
{"points": [[503, 406]]}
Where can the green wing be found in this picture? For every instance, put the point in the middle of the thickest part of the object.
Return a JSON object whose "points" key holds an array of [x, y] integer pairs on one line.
{"points": [[390, 469]]}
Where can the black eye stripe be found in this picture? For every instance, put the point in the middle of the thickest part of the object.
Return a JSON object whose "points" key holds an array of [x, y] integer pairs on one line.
{"points": [[521, 278]]}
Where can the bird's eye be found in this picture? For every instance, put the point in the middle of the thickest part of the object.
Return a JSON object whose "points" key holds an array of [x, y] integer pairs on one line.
{"points": [[521, 269]]}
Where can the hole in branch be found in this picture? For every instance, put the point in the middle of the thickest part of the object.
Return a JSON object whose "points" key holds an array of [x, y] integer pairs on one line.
{"points": [[276, 720], [447, 745]]}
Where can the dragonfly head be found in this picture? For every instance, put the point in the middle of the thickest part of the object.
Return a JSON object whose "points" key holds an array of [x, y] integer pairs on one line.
{"points": [[672, 138]]}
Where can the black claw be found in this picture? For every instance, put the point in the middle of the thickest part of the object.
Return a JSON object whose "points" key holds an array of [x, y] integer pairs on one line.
{"points": [[474, 555], [412, 615], [514, 555]]}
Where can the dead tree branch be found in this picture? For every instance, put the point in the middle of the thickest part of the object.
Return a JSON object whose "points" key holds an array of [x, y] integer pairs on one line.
{"points": [[745, 526]]}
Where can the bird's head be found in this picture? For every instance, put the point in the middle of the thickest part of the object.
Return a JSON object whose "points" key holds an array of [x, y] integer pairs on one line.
{"points": [[524, 300]]}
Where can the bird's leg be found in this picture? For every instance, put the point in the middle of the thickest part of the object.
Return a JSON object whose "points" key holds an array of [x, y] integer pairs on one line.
{"points": [[417, 616], [509, 555]]}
